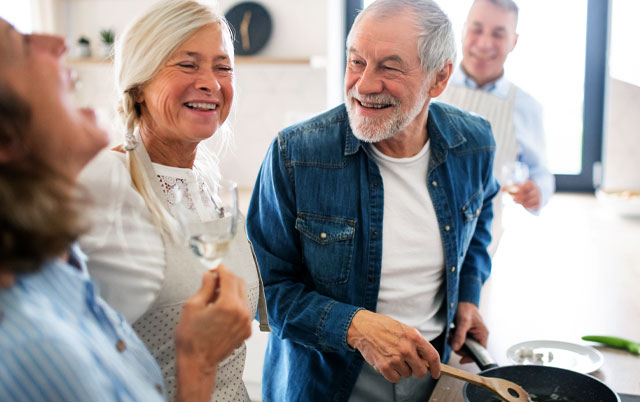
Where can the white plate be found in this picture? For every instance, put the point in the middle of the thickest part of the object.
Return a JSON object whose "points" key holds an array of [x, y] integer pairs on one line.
{"points": [[580, 358], [624, 203]]}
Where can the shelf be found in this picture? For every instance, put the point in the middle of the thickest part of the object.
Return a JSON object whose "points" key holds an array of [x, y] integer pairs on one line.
{"points": [[271, 60], [89, 60], [239, 60]]}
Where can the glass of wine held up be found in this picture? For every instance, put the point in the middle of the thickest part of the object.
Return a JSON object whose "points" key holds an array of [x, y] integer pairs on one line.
{"points": [[209, 240]]}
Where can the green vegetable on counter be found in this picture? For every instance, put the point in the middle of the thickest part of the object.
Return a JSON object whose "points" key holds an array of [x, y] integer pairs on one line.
{"points": [[633, 347]]}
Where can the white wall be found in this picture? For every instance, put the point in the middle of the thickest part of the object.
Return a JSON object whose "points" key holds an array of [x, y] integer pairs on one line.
{"points": [[621, 168]]}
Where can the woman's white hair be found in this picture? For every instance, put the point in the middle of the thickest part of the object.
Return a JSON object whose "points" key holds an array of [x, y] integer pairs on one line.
{"points": [[436, 40], [140, 52]]}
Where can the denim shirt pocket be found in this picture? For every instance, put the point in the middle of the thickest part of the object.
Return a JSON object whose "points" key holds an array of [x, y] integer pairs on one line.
{"points": [[470, 212], [327, 243]]}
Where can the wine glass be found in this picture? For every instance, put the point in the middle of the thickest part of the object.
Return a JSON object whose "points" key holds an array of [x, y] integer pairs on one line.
{"points": [[210, 240], [513, 174]]}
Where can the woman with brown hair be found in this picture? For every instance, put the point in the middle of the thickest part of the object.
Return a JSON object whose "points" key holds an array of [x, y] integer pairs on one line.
{"points": [[58, 339]]}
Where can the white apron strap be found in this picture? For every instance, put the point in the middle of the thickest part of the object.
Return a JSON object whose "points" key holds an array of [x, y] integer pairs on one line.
{"points": [[146, 164]]}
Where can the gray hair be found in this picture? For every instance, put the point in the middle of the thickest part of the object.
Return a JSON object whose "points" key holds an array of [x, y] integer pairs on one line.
{"points": [[436, 40]]}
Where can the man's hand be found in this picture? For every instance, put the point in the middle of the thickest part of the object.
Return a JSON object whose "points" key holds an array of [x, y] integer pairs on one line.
{"points": [[528, 195], [395, 350], [468, 323], [214, 322]]}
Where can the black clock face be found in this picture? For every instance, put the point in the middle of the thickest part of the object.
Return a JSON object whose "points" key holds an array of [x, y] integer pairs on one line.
{"points": [[252, 27]]}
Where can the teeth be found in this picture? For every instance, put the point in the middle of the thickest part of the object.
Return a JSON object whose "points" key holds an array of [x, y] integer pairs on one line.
{"points": [[201, 105], [371, 105]]}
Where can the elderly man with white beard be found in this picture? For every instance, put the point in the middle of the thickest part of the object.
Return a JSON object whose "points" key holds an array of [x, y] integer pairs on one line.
{"points": [[371, 221]]}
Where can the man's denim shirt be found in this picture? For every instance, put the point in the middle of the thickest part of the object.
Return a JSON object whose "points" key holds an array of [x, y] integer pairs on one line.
{"points": [[315, 221]]}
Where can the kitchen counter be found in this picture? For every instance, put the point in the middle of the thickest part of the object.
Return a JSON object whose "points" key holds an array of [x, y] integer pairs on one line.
{"points": [[572, 271]]}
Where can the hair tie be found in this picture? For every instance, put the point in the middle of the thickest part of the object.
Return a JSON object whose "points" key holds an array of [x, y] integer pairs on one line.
{"points": [[130, 140]]}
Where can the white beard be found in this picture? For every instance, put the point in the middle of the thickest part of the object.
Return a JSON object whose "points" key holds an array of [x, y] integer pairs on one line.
{"points": [[373, 130]]}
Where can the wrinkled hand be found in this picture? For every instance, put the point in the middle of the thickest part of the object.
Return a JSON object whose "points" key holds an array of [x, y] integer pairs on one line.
{"points": [[214, 322], [468, 323], [395, 350], [528, 195]]}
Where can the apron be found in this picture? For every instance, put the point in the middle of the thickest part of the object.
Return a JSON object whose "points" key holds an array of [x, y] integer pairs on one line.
{"points": [[182, 278], [499, 112]]}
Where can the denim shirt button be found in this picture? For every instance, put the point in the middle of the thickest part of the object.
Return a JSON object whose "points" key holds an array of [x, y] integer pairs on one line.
{"points": [[447, 228], [451, 305], [453, 269], [323, 235], [434, 183], [374, 232]]}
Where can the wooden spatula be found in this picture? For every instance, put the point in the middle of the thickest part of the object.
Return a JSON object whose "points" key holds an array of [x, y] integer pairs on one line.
{"points": [[507, 390]]}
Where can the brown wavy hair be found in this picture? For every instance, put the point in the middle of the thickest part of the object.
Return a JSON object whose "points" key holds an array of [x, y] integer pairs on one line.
{"points": [[39, 207]]}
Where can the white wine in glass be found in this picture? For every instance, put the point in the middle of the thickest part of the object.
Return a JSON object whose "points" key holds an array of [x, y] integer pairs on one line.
{"points": [[210, 240], [513, 174]]}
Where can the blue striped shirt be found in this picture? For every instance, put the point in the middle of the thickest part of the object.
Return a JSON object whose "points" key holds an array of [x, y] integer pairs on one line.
{"points": [[59, 341]]}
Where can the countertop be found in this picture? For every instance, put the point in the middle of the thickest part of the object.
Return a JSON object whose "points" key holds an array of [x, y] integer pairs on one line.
{"points": [[572, 271]]}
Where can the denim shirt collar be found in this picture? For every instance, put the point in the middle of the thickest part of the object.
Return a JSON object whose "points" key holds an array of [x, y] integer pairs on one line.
{"points": [[351, 143]]}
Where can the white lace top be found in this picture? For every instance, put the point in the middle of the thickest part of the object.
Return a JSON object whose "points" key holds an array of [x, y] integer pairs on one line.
{"points": [[126, 249]]}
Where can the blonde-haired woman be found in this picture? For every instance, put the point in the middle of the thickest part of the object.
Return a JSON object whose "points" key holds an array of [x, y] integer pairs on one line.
{"points": [[174, 74]]}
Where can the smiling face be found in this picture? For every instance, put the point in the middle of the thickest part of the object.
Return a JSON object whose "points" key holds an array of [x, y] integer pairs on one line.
{"points": [[190, 97], [488, 38], [387, 90], [62, 135]]}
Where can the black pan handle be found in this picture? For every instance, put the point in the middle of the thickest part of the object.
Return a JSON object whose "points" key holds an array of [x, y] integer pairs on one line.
{"points": [[479, 354]]}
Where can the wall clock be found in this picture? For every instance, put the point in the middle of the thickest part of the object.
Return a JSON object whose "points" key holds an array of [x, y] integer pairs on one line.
{"points": [[252, 26]]}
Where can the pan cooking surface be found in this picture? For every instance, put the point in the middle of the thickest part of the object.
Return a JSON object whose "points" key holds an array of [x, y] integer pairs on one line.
{"points": [[545, 383]]}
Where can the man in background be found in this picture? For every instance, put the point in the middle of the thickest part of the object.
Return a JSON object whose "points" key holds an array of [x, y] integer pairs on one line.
{"points": [[478, 85]]}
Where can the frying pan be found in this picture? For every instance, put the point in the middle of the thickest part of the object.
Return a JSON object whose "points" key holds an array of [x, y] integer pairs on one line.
{"points": [[568, 385]]}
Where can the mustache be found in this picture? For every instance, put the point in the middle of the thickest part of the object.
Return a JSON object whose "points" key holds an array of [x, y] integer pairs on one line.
{"points": [[375, 98]]}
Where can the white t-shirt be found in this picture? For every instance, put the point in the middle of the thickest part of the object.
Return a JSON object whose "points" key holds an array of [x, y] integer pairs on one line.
{"points": [[412, 278]]}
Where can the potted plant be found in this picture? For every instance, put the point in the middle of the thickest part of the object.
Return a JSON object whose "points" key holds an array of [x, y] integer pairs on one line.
{"points": [[107, 36], [84, 47]]}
